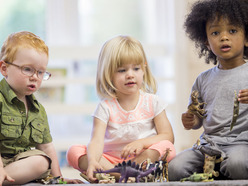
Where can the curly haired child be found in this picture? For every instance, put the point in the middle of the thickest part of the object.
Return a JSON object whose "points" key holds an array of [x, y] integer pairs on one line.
{"points": [[219, 29], [130, 122]]}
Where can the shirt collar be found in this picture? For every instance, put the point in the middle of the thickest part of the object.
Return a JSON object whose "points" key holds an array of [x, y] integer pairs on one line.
{"points": [[10, 95]]}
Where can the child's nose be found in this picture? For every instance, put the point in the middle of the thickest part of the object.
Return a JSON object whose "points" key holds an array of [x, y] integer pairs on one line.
{"points": [[130, 73], [224, 37]]}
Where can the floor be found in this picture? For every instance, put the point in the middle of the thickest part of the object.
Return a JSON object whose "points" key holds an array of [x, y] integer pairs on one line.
{"points": [[74, 174], [214, 183]]}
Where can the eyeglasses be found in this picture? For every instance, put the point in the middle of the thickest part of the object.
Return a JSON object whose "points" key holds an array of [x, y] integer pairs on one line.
{"points": [[29, 71]]}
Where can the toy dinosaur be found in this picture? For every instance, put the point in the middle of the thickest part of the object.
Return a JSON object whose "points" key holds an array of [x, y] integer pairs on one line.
{"points": [[128, 170], [198, 177], [211, 153], [235, 110], [196, 107], [209, 164], [52, 180]]}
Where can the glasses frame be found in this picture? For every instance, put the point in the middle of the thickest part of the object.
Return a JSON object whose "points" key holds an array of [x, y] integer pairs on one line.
{"points": [[35, 71]]}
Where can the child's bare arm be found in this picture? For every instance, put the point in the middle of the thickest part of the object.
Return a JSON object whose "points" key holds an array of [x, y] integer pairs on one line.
{"points": [[95, 147], [49, 149], [164, 132]]}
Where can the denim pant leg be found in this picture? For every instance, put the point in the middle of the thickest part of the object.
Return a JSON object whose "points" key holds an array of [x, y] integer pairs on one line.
{"points": [[185, 164], [235, 166]]}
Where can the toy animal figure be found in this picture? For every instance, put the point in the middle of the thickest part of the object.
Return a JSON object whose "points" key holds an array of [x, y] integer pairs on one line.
{"points": [[198, 177], [158, 173], [145, 165], [128, 170], [52, 180], [161, 171], [105, 178], [209, 147], [235, 110], [165, 164], [196, 107], [209, 165]]}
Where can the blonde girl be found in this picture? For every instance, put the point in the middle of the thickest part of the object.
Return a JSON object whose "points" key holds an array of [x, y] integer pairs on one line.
{"points": [[130, 122]]}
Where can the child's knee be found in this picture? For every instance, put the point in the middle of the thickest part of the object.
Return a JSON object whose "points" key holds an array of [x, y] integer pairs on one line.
{"points": [[165, 148], [74, 153], [41, 163], [235, 168]]}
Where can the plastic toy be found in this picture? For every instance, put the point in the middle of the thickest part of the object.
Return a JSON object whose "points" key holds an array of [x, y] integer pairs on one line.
{"points": [[127, 170], [105, 178], [235, 110], [211, 152], [196, 107], [52, 180], [209, 164], [198, 177], [161, 171]]}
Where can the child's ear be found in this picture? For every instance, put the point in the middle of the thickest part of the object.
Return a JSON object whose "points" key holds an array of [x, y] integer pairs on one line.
{"points": [[246, 43], [3, 68], [207, 45]]}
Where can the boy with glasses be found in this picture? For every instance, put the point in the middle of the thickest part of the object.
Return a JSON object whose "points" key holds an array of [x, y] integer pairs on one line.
{"points": [[26, 148]]}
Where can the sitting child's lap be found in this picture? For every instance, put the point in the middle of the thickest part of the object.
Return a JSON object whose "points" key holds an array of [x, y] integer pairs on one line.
{"points": [[76, 151]]}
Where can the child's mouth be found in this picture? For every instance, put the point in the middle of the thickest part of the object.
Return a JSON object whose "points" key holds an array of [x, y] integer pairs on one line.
{"points": [[31, 87], [130, 83], [225, 48]]}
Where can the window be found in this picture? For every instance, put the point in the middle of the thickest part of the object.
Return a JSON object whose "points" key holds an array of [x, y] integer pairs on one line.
{"points": [[17, 16]]}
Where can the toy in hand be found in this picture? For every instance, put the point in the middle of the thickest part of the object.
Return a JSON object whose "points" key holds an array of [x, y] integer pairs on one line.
{"points": [[196, 107], [235, 110]]}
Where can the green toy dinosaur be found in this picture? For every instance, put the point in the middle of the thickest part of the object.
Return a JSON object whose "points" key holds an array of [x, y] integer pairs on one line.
{"points": [[198, 177]]}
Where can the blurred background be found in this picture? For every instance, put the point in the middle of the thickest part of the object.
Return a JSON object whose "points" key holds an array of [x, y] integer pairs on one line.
{"points": [[75, 30]]}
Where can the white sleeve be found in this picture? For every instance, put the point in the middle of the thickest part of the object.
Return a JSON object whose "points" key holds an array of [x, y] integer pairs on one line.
{"points": [[158, 105], [102, 112]]}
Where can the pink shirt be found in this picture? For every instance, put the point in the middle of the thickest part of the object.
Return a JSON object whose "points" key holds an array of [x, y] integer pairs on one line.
{"points": [[124, 126]]}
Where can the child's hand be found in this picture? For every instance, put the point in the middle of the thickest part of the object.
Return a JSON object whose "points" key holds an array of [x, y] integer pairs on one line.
{"points": [[188, 120], [4, 176], [243, 96], [93, 166], [133, 148]]}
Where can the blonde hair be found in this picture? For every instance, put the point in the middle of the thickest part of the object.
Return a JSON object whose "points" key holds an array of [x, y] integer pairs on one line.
{"points": [[115, 53], [23, 39]]}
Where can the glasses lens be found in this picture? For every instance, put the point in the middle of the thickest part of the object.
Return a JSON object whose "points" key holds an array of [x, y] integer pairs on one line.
{"points": [[46, 76], [29, 71]]}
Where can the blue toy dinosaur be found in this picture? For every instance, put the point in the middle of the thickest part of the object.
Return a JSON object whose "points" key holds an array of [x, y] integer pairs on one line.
{"points": [[127, 170]]}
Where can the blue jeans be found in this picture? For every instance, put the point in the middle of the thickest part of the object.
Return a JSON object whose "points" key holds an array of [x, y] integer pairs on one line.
{"points": [[235, 166]]}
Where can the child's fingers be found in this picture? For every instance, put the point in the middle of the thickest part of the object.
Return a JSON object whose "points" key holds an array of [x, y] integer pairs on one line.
{"points": [[10, 179], [138, 151], [91, 176], [124, 154], [127, 153], [243, 96]]}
